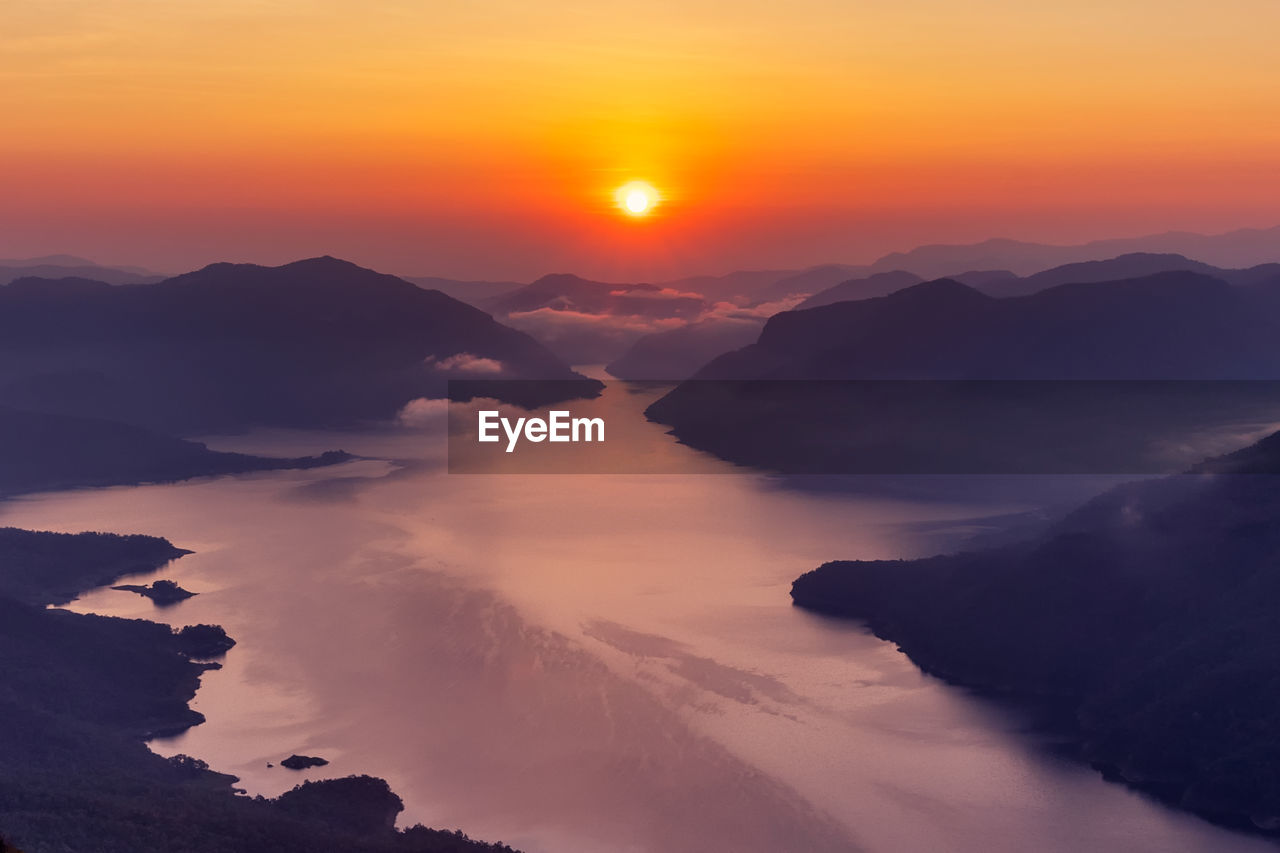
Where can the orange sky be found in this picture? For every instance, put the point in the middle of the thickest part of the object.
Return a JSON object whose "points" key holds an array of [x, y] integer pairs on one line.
{"points": [[486, 138]]}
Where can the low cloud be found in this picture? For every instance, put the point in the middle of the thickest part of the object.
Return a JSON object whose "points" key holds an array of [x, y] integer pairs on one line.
{"points": [[581, 337], [466, 363], [548, 319], [763, 311], [421, 412], [662, 293]]}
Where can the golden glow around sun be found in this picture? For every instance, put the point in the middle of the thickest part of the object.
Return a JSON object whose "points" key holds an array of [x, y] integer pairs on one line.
{"points": [[637, 198]]}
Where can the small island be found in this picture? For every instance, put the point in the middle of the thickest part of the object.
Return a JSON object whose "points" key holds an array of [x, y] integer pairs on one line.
{"points": [[162, 593], [302, 762], [203, 641]]}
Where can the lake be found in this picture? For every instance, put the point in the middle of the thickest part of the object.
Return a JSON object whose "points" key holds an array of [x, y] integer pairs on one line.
{"points": [[598, 663]]}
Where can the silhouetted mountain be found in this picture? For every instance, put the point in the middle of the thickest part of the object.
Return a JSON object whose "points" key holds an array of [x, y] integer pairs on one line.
{"points": [[1149, 613], [10, 271], [473, 293], [983, 279], [1243, 248], [1129, 266], [316, 342], [1166, 326], [80, 694], [878, 284], [60, 260], [68, 286], [566, 292], [77, 261], [1260, 458], [678, 353], [811, 281], [42, 452], [741, 287], [1171, 326], [1134, 265], [590, 322]]}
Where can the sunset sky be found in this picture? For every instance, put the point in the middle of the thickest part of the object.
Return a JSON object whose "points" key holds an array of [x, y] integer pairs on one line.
{"points": [[487, 139]]}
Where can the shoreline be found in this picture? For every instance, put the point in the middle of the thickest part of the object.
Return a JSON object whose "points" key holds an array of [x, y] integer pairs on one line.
{"points": [[1059, 710], [88, 694]]}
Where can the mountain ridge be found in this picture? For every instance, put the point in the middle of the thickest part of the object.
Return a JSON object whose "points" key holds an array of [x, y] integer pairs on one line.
{"points": [[316, 342]]}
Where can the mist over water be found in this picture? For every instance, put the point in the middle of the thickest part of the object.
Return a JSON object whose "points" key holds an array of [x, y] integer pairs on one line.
{"points": [[595, 663]]}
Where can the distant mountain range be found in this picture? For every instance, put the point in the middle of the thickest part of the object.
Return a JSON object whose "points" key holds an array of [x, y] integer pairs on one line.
{"points": [[742, 287], [627, 324], [312, 343], [69, 266], [1148, 614], [1006, 283], [562, 291], [1242, 248], [805, 282], [677, 353], [473, 293], [74, 261], [876, 284], [588, 322]]}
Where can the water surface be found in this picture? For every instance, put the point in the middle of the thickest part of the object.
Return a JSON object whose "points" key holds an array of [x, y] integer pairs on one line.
{"points": [[594, 663]]}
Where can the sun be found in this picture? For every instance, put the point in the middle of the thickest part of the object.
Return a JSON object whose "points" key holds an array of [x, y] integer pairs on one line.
{"points": [[637, 201], [637, 198]]}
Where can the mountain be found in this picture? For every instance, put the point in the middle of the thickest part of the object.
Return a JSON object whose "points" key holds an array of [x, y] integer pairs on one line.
{"points": [[56, 260], [1148, 614], [678, 353], [42, 452], [1241, 248], [567, 292], [877, 284], [312, 343], [75, 261], [741, 287], [592, 322], [471, 292], [1134, 265], [1178, 325], [983, 279], [810, 281], [835, 414], [11, 270], [1002, 283]]}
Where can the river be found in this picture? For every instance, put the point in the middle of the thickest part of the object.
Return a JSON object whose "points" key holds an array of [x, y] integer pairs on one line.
{"points": [[595, 663]]}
